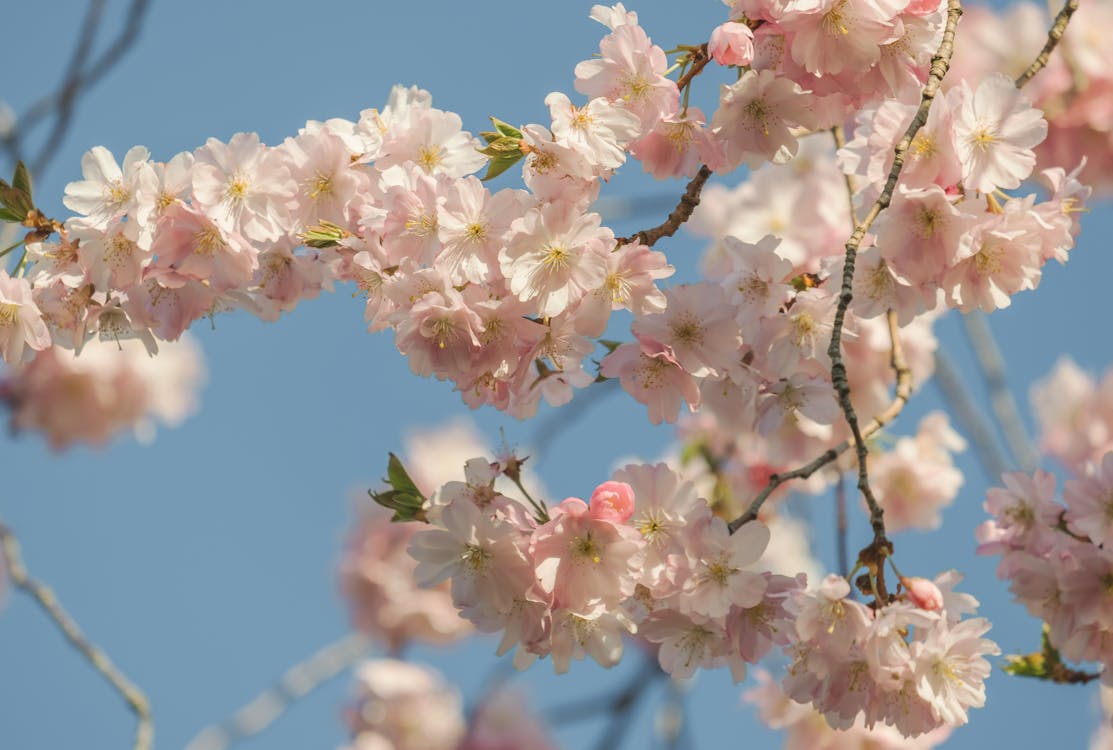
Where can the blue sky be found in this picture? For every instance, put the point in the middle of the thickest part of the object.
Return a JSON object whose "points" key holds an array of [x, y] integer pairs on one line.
{"points": [[204, 564]]}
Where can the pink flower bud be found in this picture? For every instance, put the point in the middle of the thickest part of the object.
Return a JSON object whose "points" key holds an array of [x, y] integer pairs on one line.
{"points": [[612, 501], [732, 44], [923, 593]]}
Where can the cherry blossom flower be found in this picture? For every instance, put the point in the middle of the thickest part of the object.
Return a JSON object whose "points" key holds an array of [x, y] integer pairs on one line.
{"points": [[996, 129], [21, 323], [108, 191], [555, 255]]}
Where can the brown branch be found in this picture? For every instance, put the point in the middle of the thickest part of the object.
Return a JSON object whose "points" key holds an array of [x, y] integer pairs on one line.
{"points": [[680, 214], [940, 63], [1054, 35], [901, 395], [295, 684], [699, 58], [48, 602]]}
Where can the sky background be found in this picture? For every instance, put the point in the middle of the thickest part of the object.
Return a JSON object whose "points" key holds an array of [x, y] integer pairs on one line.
{"points": [[204, 564]]}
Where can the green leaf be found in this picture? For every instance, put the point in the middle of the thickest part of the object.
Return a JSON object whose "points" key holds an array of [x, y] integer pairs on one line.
{"points": [[502, 146], [22, 181], [406, 507], [506, 128], [500, 164], [398, 477], [403, 497], [16, 200], [7, 214]]}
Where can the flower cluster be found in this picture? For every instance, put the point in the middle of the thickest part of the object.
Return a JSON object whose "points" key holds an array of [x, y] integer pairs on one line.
{"points": [[1056, 557], [970, 243], [647, 556], [806, 729], [913, 664], [1073, 90]]}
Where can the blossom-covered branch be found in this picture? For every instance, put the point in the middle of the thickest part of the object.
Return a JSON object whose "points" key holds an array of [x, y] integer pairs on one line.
{"points": [[939, 66], [901, 394]]}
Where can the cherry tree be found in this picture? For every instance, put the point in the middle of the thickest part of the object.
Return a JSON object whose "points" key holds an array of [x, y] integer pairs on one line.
{"points": [[862, 172]]}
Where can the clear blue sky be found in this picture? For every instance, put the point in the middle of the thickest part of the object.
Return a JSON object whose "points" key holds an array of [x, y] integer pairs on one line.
{"points": [[204, 564]]}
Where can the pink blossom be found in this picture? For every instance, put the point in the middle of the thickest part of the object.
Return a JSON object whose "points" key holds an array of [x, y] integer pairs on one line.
{"points": [[244, 186], [395, 699], [588, 564], [21, 324], [107, 192], [732, 44], [612, 501], [923, 593], [598, 130], [630, 73], [649, 371], [555, 255], [996, 129], [111, 387], [756, 116], [677, 145]]}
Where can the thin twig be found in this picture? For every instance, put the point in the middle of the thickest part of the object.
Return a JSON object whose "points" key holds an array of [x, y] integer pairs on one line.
{"points": [[939, 66], [1001, 398], [699, 58], [298, 681], [70, 86], [74, 88], [1054, 35], [970, 418], [680, 214], [48, 602], [901, 395]]}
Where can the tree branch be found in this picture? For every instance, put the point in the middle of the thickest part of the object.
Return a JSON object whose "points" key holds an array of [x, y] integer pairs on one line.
{"points": [[901, 395], [97, 658], [680, 214], [298, 681], [1054, 35], [940, 63], [699, 59]]}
